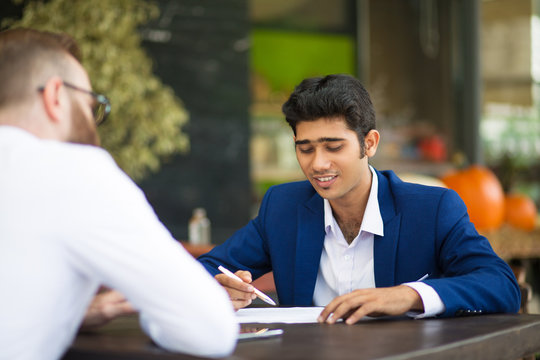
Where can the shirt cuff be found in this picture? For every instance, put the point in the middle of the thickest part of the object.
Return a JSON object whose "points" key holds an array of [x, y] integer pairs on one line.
{"points": [[433, 304]]}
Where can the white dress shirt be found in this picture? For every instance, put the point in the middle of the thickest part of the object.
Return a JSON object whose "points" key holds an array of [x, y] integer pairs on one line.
{"points": [[344, 268], [70, 221]]}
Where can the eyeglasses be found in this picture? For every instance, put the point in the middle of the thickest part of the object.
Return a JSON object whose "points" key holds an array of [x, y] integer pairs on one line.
{"points": [[101, 107]]}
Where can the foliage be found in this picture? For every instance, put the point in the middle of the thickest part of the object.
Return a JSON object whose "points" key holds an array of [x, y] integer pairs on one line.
{"points": [[145, 123]]}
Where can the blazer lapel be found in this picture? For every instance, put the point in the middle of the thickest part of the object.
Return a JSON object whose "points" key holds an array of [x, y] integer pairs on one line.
{"points": [[310, 240], [385, 247]]}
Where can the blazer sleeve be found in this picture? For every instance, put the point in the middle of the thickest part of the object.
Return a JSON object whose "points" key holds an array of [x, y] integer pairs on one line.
{"points": [[246, 249], [475, 279]]}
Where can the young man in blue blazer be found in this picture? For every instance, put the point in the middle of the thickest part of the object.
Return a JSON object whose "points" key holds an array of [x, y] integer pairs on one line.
{"points": [[356, 240]]}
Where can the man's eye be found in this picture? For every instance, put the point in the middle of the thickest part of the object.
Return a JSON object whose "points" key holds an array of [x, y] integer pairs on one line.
{"points": [[334, 148], [305, 150]]}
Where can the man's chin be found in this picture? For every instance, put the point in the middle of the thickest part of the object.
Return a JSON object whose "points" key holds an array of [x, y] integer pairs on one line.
{"points": [[325, 193]]}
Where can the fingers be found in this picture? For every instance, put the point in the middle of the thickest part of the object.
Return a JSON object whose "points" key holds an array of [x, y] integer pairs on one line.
{"points": [[113, 304], [109, 296], [240, 293], [351, 307], [114, 310], [354, 306], [106, 306], [327, 315], [234, 285], [362, 311], [240, 304]]}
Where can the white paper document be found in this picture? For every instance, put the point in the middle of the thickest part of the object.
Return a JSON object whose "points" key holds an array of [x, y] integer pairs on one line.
{"points": [[292, 315]]}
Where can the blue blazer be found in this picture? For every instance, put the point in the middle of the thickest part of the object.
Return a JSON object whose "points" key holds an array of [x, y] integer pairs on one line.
{"points": [[426, 231]]}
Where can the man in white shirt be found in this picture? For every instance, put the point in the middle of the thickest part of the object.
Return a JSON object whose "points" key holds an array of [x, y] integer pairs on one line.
{"points": [[353, 239], [72, 221]]}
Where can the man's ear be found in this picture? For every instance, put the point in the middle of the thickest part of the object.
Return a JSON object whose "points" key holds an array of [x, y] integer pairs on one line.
{"points": [[52, 101], [372, 142]]}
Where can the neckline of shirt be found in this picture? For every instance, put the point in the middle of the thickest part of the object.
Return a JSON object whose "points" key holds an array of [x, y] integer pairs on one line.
{"points": [[371, 223]]}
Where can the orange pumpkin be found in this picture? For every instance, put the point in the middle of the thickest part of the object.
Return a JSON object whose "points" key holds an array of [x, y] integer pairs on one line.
{"points": [[520, 211], [482, 193]]}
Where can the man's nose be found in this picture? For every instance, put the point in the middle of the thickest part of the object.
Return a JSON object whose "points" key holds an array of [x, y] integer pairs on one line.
{"points": [[321, 161]]}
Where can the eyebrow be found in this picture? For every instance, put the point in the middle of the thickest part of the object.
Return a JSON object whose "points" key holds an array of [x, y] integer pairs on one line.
{"points": [[320, 140]]}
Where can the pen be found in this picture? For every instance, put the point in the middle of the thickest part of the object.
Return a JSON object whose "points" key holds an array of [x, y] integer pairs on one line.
{"points": [[423, 277], [259, 293]]}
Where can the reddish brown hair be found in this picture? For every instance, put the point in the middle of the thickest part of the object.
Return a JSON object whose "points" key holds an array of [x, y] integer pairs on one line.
{"points": [[28, 57]]}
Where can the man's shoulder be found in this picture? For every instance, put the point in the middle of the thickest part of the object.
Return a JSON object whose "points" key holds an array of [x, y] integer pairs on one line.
{"points": [[418, 202], [413, 195], [29, 149], [78, 151]]}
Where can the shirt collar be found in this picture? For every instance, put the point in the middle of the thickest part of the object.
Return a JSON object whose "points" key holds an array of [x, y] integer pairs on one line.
{"points": [[372, 221]]}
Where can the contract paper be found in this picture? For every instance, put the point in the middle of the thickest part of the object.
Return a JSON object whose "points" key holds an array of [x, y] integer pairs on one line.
{"points": [[291, 315]]}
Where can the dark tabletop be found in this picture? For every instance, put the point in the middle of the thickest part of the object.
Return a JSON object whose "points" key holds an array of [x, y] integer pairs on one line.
{"points": [[476, 337]]}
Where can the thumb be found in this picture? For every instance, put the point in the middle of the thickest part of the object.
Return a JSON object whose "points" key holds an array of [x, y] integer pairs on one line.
{"points": [[244, 275]]}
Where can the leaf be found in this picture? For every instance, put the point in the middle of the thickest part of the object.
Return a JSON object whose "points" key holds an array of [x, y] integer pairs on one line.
{"points": [[145, 125]]}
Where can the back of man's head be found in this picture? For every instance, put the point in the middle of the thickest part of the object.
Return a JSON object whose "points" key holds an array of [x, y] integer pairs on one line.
{"points": [[28, 58], [332, 96]]}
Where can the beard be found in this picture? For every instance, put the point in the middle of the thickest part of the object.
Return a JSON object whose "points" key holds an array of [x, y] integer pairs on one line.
{"points": [[83, 130]]}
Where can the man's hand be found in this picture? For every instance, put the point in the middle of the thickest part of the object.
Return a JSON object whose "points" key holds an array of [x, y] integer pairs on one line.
{"points": [[354, 306], [106, 306], [241, 293]]}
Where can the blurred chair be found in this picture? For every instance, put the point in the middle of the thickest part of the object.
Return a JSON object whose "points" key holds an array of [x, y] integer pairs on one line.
{"points": [[526, 290]]}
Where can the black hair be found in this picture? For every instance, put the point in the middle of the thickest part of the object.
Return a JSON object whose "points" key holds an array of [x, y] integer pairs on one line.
{"points": [[332, 96]]}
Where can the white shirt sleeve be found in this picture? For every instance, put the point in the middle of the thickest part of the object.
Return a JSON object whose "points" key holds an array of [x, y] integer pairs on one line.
{"points": [[433, 304], [121, 243]]}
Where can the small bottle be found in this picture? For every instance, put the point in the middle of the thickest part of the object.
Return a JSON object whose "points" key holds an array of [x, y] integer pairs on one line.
{"points": [[199, 228]]}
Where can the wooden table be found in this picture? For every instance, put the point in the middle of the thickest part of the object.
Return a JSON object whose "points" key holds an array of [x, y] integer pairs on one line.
{"points": [[511, 243], [479, 337]]}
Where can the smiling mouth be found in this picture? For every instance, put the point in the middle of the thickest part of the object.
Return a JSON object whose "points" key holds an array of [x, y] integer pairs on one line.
{"points": [[325, 181], [326, 178]]}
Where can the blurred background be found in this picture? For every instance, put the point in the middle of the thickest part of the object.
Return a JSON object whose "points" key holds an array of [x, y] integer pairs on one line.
{"points": [[454, 83]]}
